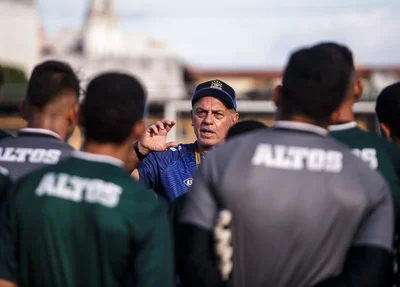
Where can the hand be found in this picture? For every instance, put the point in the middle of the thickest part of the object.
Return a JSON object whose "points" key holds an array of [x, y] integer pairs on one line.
{"points": [[223, 240], [155, 137]]}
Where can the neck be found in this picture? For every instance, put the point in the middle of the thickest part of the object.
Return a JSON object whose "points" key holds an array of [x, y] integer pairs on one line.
{"points": [[345, 114], [203, 150], [48, 123], [114, 150]]}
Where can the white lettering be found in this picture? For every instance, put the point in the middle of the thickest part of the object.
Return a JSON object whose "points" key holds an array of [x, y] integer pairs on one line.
{"points": [[7, 155], [22, 154], [69, 187], [368, 155], [48, 182], [37, 156], [334, 161], [297, 155], [77, 187], [297, 158]]}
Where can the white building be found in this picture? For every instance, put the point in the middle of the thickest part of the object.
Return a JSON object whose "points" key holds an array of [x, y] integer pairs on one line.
{"points": [[19, 34], [101, 45]]}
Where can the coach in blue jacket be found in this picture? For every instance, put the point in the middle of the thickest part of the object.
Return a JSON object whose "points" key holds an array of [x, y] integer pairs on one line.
{"points": [[168, 168]]}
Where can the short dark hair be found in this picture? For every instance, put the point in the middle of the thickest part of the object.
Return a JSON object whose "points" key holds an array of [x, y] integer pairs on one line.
{"points": [[343, 50], [114, 102], [243, 127], [48, 81], [387, 107], [315, 82]]}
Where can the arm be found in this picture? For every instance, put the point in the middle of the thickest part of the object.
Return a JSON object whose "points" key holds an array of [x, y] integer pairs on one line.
{"points": [[368, 262], [5, 283], [154, 260], [197, 264], [365, 266], [154, 139]]}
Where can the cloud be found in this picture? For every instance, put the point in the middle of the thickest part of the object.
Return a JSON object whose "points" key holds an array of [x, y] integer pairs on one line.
{"points": [[370, 35], [255, 33]]}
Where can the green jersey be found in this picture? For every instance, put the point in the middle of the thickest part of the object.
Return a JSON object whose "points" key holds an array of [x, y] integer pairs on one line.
{"points": [[85, 222], [378, 153]]}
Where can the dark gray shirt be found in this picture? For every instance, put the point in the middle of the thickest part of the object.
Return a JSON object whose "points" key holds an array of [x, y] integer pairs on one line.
{"points": [[299, 200], [32, 149]]}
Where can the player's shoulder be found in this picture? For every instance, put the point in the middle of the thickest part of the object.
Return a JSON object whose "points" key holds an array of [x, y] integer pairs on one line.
{"points": [[372, 137], [235, 149], [38, 173], [377, 141]]}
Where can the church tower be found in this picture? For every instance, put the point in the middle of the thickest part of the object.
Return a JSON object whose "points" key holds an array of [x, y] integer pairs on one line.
{"points": [[102, 32]]}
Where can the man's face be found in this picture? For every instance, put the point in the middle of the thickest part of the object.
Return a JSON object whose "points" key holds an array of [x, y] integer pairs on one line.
{"points": [[211, 121]]}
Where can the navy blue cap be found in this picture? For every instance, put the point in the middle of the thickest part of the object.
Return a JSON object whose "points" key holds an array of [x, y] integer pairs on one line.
{"points": [[217, 89]]}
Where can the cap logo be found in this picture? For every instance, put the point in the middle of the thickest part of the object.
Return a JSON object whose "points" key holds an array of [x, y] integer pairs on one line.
{"points": [[216, 84]]}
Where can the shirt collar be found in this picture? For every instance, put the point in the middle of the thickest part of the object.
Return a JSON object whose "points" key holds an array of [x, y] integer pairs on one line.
{"points": [[300, 127], [40, 132], [342, 127], [98, 158]]}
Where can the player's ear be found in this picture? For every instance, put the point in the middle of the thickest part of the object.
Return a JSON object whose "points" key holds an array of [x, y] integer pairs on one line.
{"points": [[23, 110], [358, 89], [72, 116], [385, 130], [138, 129], [276, 95]]}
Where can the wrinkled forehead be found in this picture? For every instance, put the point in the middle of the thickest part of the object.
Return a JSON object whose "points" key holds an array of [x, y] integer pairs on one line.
{"points": [[210, 103]]}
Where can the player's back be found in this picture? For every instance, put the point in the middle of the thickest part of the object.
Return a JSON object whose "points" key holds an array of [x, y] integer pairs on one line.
{"points": [[31, 149], [86, 222], [297, 199], [378, 153]]}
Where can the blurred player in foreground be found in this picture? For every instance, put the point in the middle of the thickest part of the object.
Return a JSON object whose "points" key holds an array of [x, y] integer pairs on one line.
{"points": [[86, 221], [388, 112], [297, 207], [244, 127], [51, 111]]}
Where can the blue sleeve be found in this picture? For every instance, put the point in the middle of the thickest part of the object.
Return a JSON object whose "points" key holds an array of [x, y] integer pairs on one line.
{"points": [[149, 171]]}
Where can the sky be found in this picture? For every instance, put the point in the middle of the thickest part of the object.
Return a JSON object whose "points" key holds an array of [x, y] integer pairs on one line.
{"points": [[249, 34]]}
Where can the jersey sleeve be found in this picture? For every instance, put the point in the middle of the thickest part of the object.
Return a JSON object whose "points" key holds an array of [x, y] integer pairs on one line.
{"points": [[201, 206], [149, 171], [377, 227], [154, 261]]}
